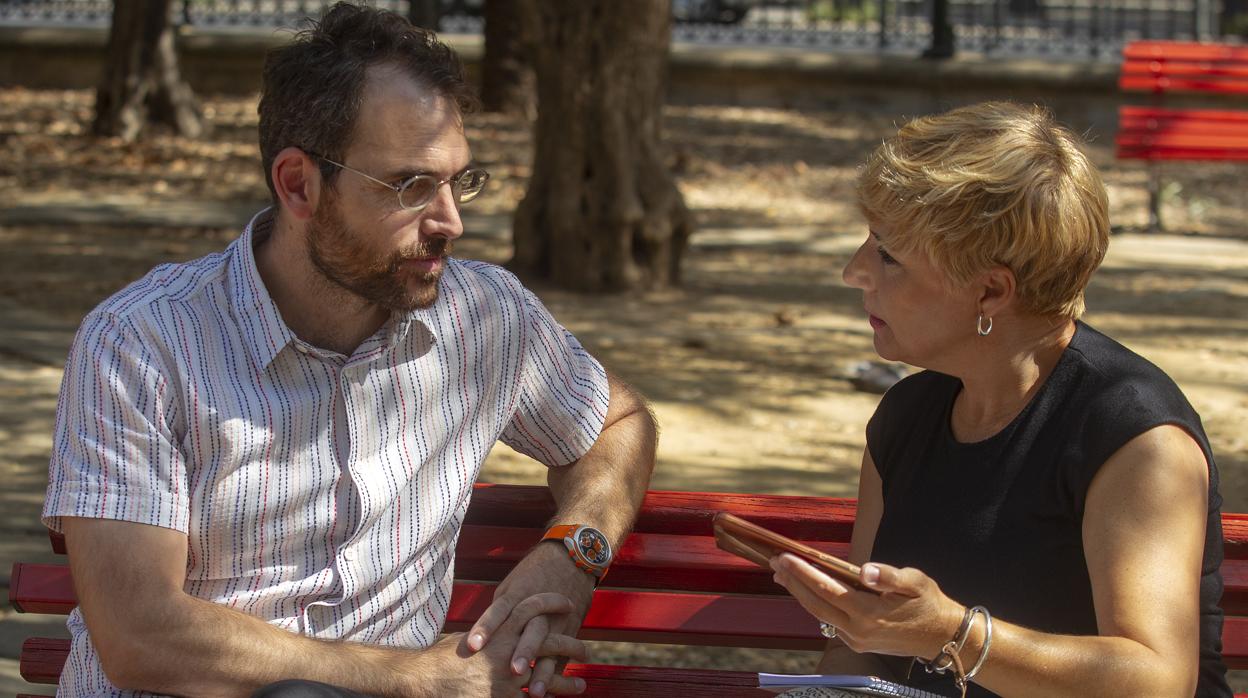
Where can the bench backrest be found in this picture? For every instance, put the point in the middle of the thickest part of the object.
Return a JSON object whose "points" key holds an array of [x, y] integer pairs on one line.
{"points": [[1176, 66]]}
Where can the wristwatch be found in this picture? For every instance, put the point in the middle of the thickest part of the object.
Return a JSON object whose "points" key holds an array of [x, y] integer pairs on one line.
{"points": [[586, 545]]}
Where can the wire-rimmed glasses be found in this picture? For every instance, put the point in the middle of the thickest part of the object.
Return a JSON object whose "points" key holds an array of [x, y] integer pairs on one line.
{"points": [[417, 192]]}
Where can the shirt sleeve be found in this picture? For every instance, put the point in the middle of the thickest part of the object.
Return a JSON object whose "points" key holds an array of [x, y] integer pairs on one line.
{"points": [[563, 392], [115, 455]]}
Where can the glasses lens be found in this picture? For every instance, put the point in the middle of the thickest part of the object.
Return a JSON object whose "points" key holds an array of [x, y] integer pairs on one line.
{"points": [[470, 184], [418, 191]]}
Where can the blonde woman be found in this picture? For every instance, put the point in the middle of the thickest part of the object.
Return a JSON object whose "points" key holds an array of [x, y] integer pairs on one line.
{"points": [[1040, 506]]}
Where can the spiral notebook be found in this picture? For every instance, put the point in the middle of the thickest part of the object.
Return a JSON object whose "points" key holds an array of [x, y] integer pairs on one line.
{"points": [[862, 685]]}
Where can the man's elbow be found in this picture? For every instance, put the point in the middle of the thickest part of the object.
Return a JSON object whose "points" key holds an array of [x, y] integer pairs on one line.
{"points": [[124, 665], [632, 406], [133, 653]]}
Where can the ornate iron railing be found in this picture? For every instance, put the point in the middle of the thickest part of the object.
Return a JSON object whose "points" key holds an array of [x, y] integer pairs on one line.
{"points": [[1057, 29]]}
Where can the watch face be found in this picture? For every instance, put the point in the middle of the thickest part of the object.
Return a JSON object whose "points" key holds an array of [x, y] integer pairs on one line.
{"points": [[593, 546]]}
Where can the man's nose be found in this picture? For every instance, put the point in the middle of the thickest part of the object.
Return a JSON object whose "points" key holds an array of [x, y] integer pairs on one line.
{"points": [[441, 216]]}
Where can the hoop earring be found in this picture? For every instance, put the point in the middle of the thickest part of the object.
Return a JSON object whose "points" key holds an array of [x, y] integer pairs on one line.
{"points": [[979, 326]]}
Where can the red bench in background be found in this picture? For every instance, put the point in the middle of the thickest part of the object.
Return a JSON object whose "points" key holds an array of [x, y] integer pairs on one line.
{"points": [[1156, 132], [669, 584]]}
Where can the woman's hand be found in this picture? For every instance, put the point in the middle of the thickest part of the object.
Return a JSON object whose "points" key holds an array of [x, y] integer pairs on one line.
{"points": [[909, 617]]}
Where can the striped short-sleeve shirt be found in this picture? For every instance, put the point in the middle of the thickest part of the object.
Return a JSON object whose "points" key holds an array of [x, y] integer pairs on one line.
{"points": [[319, 492]]}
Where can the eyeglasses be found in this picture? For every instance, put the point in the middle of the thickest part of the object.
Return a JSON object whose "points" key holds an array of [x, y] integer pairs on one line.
{"points": [[417, 192]]}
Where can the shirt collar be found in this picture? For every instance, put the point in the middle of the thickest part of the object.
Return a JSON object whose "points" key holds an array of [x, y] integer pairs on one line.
{"points": [[264, 331]]}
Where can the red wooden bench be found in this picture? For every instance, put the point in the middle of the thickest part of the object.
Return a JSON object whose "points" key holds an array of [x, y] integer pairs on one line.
{"points": [[1155, 132], [669, 584]]}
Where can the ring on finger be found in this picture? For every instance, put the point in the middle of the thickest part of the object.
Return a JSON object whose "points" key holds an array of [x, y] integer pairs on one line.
{"points": [[827, 630]]}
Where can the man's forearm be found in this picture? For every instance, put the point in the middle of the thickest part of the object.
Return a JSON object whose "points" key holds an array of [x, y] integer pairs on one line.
{"points": [[195, 647], [605, 487]]}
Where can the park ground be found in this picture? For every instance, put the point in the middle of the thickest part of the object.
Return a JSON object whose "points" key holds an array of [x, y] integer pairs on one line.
{"points": [[746, 362]]}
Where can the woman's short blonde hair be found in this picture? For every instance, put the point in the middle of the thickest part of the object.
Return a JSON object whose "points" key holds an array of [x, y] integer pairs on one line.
{"points": [[993, 184]]}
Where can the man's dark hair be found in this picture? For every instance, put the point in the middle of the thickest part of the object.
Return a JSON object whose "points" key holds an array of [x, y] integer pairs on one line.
{"points": [[313, 85]]}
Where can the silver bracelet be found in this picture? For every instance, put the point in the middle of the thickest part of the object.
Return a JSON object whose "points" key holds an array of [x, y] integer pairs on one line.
{"points": [[959, 639], [983, 654]]}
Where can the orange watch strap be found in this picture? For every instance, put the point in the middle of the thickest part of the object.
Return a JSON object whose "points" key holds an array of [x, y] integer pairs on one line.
{"points": [[559, 532]]}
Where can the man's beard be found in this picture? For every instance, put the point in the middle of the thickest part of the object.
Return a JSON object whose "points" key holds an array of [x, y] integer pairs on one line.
{"points": [[339, 254]]}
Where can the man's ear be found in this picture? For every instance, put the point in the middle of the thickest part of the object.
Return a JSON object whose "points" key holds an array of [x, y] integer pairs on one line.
{"points": [[297, 180], [998, 291]]}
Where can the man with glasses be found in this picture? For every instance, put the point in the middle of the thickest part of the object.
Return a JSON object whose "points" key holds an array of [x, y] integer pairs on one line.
{"points": [[263, 457]]}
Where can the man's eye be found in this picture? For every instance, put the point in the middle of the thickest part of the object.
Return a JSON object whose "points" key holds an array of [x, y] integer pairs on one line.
{"points": [[885, 256]]}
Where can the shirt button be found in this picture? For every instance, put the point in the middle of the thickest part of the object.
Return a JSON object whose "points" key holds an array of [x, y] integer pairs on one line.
{"points": [[301, 349], [348, 555]]}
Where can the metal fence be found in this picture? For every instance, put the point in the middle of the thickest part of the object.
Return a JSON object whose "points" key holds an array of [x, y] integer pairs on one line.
{"points": [[1075, 29], [1054, 29]]}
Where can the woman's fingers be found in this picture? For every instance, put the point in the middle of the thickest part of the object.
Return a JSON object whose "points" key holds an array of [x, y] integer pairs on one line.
{"points": [[818, 593], [891, 580]]}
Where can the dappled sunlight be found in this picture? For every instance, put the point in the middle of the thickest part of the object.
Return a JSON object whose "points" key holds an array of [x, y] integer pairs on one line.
{"points": [[28, 400], [746, 363]]}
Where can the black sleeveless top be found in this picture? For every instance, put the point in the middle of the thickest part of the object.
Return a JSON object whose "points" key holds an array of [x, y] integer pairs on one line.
{"points": [[998, 523]]}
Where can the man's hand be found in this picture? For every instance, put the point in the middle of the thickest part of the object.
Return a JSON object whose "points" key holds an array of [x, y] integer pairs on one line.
{"points": [[489, 671], [603, 489], [547, 568]]}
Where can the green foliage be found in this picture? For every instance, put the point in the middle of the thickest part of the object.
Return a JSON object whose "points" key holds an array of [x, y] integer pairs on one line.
{"points": [[841, 11], [1235, 25]]}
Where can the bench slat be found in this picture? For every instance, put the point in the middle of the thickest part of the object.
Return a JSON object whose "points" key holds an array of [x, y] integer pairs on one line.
{"points": [[1194, 134], [1235, 537], [1184, 51], [1162, 139], [42, 659], [689, 513], [1152, 153], [766, 622], [645, 561], [680, 513], [709, 619], [39, 588], [1235, 642], [1132, 111], [1229, 135], [1134, 119], [488, 553], [638, 616], [1203, 82], [629, 682], [1217, 71]]}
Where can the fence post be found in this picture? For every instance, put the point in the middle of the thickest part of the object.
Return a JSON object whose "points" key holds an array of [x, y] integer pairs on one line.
{"points": [[883, 39], [1204, 20], [942, 32]]}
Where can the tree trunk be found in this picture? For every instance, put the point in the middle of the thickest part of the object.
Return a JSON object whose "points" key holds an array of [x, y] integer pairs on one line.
{"points": [[506, 76], [141, 84], [602, 212]]}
